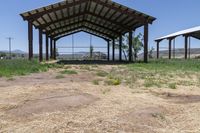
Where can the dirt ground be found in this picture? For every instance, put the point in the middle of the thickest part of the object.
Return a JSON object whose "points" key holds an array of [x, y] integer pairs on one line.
{"points": [[43, 103]]}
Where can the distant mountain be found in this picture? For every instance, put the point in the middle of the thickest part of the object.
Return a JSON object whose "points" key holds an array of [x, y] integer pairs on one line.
{"points": [[17, 51]]}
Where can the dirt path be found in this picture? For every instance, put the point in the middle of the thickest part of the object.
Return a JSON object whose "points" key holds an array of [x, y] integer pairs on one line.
{"points": [[43, 103]]}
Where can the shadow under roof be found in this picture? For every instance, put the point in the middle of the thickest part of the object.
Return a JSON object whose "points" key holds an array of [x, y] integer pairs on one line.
{"points": [[104, 18]]}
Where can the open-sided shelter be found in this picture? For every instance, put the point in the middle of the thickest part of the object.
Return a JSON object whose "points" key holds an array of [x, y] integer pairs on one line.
{"points": [[192, 32], [103, 18]]}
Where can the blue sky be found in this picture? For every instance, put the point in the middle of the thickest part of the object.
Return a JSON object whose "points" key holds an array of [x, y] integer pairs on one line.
{"points": [[172, 15]]}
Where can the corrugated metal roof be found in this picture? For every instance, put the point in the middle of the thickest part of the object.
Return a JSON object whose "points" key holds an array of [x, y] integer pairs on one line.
{"points": [[194, 32], [104, 17]]}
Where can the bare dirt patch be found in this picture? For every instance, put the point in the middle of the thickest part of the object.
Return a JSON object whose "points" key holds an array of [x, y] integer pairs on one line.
{"points": [[52, 104], [179, 98], [41, 103]]}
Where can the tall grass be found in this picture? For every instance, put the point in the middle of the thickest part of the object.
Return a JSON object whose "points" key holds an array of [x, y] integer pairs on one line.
{"points": [[192, 65], [9, 68], [164, 72]]}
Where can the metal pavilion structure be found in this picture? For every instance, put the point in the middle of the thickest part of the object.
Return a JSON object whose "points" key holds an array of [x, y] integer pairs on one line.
{"points": [[102, 18], [192, 32]]}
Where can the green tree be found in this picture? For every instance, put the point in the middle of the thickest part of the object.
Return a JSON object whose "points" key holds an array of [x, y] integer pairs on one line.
{"points": [[137, 45], [137, 42]]}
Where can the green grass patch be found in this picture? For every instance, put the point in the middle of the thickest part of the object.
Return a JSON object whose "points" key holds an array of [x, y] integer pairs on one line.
{"points": [[172, 85], [69, 72], [160, 73], [9, 68], [174, 65], [101, 73], [115, 81], [95, 82]]}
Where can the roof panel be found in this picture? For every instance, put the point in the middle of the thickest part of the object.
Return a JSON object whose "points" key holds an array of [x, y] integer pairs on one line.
{"points": [[106, 16], [179, 33]]}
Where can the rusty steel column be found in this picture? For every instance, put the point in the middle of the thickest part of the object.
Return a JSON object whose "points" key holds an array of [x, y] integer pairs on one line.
{"points": [[120, 48], [146, 37], [130, 46], [47, 48], [30, 40], [158, 49], [113, 53], [108, 58], [186, 46], [40, 46]]}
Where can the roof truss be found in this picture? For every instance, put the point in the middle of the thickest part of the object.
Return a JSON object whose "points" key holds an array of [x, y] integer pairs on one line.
{"points": [[102, 16]]}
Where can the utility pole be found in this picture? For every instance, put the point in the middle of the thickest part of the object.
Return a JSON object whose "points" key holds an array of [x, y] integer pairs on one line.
{"points": [[10, 53]]}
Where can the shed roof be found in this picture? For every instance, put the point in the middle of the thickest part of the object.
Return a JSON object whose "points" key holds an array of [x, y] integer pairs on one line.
{"points": [[104, 18], [194, 32]]}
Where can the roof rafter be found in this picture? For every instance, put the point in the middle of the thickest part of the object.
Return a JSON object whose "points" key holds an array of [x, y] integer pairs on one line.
{"points": [[83, 21], [141, 19], [82, 26], [81, 30], [39, 14]]}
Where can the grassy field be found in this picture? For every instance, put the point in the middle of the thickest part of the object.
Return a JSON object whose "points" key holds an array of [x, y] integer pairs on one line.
{"points": [[9, 68], [166, 73], [157, 73], [161, 96]]}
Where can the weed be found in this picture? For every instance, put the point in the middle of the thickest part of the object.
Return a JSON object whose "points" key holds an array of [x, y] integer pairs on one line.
{"points": [[101, 73], [10, 79], [60, 76], [172, 86], [115, 81], [95, 82], [69, 72]]}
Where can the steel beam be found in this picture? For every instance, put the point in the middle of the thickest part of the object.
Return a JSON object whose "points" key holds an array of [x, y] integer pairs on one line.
{"points": [[170, 48], [108, 42], [30, 40], [120, 48], [40, 46], [51, 48], [158, 49], [47, 47], [54, 49], [186, 46], [113, 50], [130, 46], [146, 38]]}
